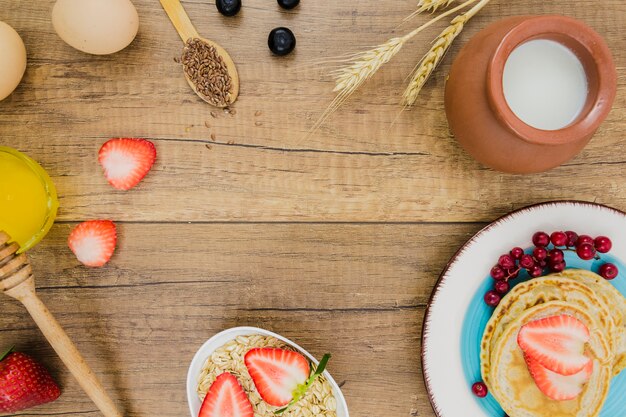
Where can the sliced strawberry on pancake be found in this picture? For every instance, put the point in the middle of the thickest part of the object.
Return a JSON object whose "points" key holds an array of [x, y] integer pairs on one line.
{"points": [[559, 387], [557, 343]]}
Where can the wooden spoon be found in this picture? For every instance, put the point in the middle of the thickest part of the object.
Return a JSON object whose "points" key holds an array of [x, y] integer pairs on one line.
{"points": [[187, 31], [16, 280]]}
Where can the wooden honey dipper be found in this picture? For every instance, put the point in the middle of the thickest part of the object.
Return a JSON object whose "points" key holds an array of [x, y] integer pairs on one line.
{"points": [[16, 280]]}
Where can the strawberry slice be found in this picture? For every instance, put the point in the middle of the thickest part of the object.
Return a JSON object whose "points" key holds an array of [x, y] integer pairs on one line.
{"points": [[126, 161], [93, 242], [556, 342], [226, 398], [277, 373], [559, 387]]}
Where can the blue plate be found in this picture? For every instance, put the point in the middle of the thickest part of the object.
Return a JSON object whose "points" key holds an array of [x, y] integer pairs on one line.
{"points": [[479, 313], [457, 315]]}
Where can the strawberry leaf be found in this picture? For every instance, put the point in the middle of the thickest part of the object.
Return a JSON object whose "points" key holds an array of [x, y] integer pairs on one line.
{"points": [[301, 389], [5, 354]]}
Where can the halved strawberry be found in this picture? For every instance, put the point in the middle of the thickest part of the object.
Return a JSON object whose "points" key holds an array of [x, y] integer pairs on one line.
{"points": [[559, 387], [126, 161], [93, 242], [277, 373], [556, 342], [226, 398]]}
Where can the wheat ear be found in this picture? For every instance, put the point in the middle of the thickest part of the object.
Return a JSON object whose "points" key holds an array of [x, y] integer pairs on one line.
{"points": [[349, 78], [433, 57], [428, 5], [365, 65], [432, 5]]}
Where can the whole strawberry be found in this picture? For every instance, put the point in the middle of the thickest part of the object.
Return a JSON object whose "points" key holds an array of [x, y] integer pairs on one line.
{"points": [[24, 383]]}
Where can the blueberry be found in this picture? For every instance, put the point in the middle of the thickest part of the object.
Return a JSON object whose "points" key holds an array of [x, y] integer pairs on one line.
{"points": [[228, 7], [288, 4], [281, 41]]}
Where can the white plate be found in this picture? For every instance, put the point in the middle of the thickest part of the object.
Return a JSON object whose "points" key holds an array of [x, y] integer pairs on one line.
{"points": [[226, 336], [449, 391]]}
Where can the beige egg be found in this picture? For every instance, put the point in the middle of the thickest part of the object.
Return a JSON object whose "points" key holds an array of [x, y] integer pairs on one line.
{"points": [[12, 60], [98, 27]]}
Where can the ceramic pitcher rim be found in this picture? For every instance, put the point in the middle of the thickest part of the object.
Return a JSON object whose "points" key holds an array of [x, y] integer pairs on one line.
{"points": [[597, 61]]}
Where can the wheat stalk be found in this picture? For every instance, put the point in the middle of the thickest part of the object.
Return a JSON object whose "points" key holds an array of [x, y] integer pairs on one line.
{"points": [[433, 57], [349, 78], [431, 60], [365, 65], [432, 5], [428, 5]]}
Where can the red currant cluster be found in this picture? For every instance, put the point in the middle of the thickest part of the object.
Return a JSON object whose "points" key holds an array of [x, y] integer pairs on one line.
{"points": [[542, 258]]}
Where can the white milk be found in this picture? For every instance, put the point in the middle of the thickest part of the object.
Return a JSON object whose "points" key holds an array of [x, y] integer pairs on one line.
{"points": [[544, 84]]}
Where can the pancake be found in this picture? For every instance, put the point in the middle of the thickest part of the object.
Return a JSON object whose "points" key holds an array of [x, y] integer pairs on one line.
{"points": [[515, 390], [538, 291], [616, 302]]}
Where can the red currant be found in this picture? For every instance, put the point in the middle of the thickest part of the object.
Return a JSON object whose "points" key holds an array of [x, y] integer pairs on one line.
{"points": [[535, 271], [516, 253], [502, 287], [585, 251], [556, 256], [527, 261], [572, 238], [541, 239], [492, 298], [584, 239], [557, 266], [480, 389], [506, 261], [558, 238], [540, 253], [608, 271], [603, 244], [497, 273]]}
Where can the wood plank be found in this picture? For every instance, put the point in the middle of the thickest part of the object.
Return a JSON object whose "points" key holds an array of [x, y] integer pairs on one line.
{"points": [[361, 166], [358, 291], [221, 182]]}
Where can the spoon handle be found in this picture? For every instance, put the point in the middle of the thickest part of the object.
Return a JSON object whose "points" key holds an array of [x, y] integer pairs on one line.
{"points": [[180, 19], [25, 293]]}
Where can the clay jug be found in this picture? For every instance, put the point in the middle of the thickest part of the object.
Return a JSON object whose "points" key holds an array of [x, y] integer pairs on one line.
{"points": [[478, 113]]}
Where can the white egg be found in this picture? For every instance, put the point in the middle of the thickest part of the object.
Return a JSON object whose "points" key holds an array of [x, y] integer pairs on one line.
{"points": [[12, 60], [98, 27]]}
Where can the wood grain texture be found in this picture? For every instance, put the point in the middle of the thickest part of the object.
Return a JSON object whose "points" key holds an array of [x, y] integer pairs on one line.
{"points": [[358, 291], [255, 165], [335, 241]]}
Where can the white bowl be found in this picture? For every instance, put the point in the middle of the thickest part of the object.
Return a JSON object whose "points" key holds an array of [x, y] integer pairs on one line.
{"points": [[226, 336]]}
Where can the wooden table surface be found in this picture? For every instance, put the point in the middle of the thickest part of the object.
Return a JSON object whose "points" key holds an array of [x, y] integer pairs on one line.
{"points": [[334, 241]]}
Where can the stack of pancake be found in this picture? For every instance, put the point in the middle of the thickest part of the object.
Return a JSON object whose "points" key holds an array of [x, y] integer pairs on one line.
{"points": [[580, 296]]}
